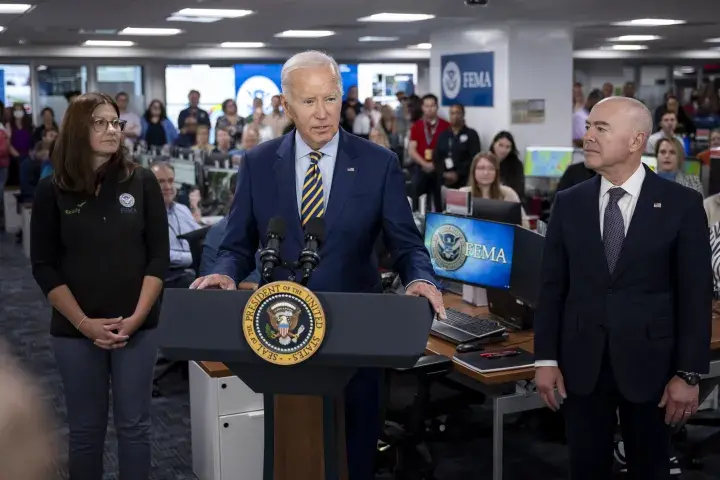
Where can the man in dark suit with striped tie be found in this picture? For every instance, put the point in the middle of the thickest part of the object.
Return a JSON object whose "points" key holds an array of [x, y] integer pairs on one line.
{"points": [[623, 321], [319, 170]]}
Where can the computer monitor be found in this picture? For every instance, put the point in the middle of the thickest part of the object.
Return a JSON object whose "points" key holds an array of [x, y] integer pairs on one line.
{"points": [[497, 210], [692, 166], [547, 161], [471, 251], [184, 172], [525, 274], [650, 161]]}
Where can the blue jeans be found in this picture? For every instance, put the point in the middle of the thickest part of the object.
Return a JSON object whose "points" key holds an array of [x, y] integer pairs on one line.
{"points": [[86, 371]]}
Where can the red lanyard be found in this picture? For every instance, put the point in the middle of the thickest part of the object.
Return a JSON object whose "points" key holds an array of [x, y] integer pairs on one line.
{"points": [[429, 132]]}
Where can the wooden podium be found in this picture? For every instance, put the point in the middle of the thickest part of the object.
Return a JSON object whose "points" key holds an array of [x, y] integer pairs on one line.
{"points": [[304, 403]]}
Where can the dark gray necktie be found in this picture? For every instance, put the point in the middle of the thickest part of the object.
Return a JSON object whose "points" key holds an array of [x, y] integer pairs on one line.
{"points": [[613, 228]]}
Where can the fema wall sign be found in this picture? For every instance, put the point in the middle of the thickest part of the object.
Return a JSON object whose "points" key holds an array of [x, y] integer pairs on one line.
{"points": [[468, 79], [284, 323]]}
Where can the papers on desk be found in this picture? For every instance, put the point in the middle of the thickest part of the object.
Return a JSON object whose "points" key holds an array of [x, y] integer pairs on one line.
{"points": [[479, 361]]}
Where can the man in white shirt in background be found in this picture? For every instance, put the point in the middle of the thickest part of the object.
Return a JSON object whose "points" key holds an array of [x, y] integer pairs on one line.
{"points": [[580, 116], [133, 127], [668, 124], [265, 131], [276, 119], [366, 120]]}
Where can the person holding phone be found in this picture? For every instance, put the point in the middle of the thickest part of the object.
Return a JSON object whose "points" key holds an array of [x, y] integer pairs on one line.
{"points": [[99, 250]]}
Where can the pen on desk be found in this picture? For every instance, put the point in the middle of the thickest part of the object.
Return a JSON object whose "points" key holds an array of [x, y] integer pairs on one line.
{"points": [[500, 354]]}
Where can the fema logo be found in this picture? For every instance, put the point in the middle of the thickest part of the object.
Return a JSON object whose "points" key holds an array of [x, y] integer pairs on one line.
{"points": [[451, 80], [255, 87], [127, 200], [448, 247]]}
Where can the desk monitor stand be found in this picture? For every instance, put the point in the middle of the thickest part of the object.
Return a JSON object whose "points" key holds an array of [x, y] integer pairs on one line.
{"points": [[304, 416], [475, 296]]}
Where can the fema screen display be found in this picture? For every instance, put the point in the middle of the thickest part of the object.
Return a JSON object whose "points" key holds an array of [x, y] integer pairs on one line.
{"points": [[469, 250], [547, 162]]}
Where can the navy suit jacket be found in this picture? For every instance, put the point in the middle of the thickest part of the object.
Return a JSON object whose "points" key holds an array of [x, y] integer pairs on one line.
{"points": [[367, 197], [653, 313]]}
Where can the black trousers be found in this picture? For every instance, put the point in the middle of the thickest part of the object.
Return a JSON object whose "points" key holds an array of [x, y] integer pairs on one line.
{"points": [[428, 184], [590, 427]]}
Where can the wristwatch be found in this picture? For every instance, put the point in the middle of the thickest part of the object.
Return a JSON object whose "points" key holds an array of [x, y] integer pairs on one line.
{"points": [[690, 378]]}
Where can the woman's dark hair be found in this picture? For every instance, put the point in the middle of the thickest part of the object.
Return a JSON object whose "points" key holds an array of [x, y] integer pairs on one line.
{"points": [[26, 122], [507, 136], [52, 114], [163, 113], [415, 108], [228, 102], [72, 156]]}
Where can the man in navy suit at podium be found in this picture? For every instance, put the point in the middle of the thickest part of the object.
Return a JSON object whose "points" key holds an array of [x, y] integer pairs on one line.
{"points": [[319, 170]]}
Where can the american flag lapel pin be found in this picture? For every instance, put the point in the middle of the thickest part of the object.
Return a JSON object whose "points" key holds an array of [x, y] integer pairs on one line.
{"points": [[351, 169], [657, 205]]}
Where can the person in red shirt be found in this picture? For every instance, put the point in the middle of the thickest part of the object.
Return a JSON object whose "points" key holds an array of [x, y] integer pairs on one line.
{"points": [[423, 137]]}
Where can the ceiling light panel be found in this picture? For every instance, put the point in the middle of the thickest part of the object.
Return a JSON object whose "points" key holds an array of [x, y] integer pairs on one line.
{"points": [[108, 43], [378, 39], [624, 47], [305, 34], [180, 18], [634, 38], [151, 32], [649, 22], [242, 44], [396, 17], [16, 8], [213, 12]]}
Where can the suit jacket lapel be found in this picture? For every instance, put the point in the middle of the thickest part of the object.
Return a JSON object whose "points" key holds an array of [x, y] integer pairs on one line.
{"points": [[641, 222], [287, 187], [590, 218], [346, 169]]}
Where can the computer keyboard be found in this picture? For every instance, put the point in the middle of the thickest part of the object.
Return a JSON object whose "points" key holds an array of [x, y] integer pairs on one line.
{"points": [[478, 326]]}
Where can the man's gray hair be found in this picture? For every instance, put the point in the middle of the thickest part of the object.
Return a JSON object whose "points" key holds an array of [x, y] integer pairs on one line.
{"points": [[309, 59], [642, 119]]}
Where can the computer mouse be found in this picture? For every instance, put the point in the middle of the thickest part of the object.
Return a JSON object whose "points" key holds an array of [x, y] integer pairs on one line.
{"points": [[470, 347]]}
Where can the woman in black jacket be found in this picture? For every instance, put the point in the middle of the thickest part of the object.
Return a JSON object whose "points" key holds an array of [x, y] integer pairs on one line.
{"points": [[512, 173], [99, 251]]}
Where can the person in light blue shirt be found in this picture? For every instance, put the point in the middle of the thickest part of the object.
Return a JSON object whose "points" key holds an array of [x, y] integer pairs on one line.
{"points": [[213, 239], [180, 221]]}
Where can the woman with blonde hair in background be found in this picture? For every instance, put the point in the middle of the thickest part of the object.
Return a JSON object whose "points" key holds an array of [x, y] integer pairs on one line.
{"points": [[484, 182]]}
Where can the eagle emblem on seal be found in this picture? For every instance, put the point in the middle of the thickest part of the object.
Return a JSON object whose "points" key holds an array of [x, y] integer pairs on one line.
{"points": [[283, 321]]}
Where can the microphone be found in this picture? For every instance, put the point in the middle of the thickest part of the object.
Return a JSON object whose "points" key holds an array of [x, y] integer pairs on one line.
{"points": [[270, 255], [314, 237]]}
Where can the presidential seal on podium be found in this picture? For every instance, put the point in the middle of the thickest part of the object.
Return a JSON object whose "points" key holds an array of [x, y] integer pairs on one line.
{"points": [[284, 323]]}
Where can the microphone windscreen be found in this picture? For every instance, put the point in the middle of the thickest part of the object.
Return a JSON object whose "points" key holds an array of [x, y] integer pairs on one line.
{"points": [[316, 227], [276, 226]]}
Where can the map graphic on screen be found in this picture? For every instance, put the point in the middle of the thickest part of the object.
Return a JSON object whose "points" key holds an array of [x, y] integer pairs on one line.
{"points": [[547, 161]]}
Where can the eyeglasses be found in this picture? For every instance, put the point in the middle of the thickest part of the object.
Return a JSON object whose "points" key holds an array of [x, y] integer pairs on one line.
{"points": [[100, 125]]}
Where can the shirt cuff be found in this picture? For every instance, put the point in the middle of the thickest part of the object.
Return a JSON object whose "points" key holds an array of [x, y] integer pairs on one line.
{"points": [[418, 280], [546, 363]]}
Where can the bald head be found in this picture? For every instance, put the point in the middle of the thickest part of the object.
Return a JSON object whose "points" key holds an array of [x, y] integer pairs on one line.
{"points": [[637, 113], [616, 136], [26, 444]]}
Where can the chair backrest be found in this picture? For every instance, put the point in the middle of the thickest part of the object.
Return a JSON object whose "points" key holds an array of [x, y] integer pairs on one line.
{"points": [[195, 239]]}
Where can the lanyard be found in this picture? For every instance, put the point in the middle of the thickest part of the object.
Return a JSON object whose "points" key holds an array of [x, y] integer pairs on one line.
{"points": [[430, 132], [179, 227]]}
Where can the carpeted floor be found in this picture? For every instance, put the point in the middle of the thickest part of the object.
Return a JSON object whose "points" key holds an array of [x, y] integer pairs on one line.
{"points": [[24, 324]]}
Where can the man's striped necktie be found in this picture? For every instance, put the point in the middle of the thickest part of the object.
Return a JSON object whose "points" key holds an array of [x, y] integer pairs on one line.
{"points": [[312, 204]]}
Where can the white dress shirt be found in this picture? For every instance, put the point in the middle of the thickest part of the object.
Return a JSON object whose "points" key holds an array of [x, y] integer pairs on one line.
{"points": [[626, 204], [366, 121]]}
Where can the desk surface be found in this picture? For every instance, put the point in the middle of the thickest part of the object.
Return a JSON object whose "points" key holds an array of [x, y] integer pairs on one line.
{"points": [[436, 345]]}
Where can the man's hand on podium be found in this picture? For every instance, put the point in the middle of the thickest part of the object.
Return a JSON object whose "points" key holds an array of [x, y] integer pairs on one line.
{"points": [[214, 281], [421, 288]]}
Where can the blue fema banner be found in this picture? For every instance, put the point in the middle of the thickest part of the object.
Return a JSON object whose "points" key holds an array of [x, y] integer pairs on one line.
{"points": [[256, 80], [468, 79]]}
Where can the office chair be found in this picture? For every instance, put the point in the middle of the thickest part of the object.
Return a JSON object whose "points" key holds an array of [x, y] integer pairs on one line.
{"points": [[195, 239], [403, 447], [693, 453]]}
